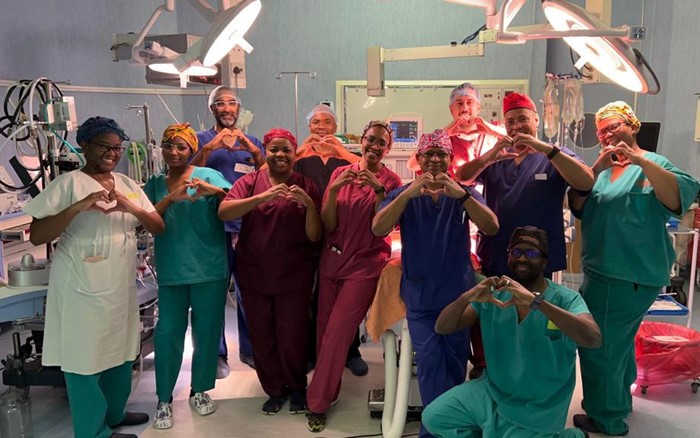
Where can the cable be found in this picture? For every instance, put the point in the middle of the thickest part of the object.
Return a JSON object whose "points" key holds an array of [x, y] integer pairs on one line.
{"points": [[643, 60], [473, 35], [571, 55], [70, 146]]}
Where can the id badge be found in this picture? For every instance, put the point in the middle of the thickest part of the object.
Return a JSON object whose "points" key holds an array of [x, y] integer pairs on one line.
{"points": [[243, 168], [540, 177]]}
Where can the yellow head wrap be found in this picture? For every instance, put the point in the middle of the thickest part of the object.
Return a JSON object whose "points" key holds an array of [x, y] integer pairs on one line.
{"points": [[619, 109], [183, 131]]}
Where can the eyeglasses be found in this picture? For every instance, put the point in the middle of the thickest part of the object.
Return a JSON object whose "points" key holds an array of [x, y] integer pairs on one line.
{"points": [[430, 155], [375, 141], [221, 104], [601, 133], [529, 253], [104, 148], [170, 146]]}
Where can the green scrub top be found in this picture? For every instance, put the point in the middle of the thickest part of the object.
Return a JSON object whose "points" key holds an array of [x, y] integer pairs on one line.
{"points": [[624, 225], [193, 247], [532, 364]]}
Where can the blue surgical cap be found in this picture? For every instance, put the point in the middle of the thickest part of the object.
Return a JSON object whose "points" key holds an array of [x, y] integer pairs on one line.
{"points": [[95, 126]]}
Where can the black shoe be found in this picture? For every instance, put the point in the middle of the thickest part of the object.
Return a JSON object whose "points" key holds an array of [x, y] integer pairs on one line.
{"points": [[248, 360], [316, 422], [476, 372], [123, 435], [222, 369], [132, 419], [273, 404], [297, 402], [586, 424], [358, 366]]}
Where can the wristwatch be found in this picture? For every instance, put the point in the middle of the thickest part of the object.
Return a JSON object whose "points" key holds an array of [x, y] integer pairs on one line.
{"points": [[553, 153], [539, 297], [381, 189], [467, 195]]}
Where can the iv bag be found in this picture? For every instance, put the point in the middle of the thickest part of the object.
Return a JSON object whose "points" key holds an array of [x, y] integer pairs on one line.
{"points": [[568, 113], [551, 109]]}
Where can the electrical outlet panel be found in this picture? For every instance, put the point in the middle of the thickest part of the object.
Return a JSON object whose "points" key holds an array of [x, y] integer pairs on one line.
{"points": [[637, 32]]}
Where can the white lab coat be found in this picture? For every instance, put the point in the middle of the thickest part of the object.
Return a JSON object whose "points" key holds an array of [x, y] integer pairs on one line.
{"points": [[92, 317]]}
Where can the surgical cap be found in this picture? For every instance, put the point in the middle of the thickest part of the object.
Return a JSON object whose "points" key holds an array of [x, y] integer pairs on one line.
{"points": [[183, 131], [381, 123], [436, 139], [518, 101], [220, 90], [619, 109], [530, 235], [95, 126], [320, 109], [465, 89], [279, 133]]}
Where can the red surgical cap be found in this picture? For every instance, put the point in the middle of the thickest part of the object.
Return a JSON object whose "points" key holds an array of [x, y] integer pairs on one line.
{"points": [[517, 101], [279, 133]]}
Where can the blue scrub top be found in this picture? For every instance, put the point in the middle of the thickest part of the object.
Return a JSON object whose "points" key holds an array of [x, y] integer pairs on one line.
{"points": [[531, 193], [225, 160], [435, 253]]}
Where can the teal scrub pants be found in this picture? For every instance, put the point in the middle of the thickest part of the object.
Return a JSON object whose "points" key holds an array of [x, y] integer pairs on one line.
{"points": [[468, 410], [207, 301], [608, 372], [98, 400]]}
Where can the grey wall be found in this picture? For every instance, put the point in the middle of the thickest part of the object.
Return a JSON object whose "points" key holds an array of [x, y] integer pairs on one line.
{"points": [[46, 38]]}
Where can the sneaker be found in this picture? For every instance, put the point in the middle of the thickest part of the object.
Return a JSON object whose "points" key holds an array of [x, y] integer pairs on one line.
{"points": [[164, 416], [123, 435], [316, 422], [132, 419], [273, 404], [297, 403], [202, 403], [586, 424], [358, 366], [248, 360], [222, 369]]}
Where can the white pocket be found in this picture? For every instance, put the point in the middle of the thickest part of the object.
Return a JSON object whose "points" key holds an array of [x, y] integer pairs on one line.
{"points": [[94, 275]]}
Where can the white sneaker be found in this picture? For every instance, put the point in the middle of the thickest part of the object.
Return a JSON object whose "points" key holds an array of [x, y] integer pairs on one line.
{"points": [[202, 403], [164, 416]]}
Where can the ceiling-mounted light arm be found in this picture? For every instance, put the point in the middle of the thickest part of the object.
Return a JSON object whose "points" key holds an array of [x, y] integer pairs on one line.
{"points": [[169, 6], [204, 9]]}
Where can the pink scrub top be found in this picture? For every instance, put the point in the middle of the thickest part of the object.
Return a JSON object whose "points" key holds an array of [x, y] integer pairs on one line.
{"points": [[362, 254], [273, 254]]}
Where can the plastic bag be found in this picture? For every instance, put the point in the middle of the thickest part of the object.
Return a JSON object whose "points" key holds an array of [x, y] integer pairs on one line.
{"points": [[666, 353]]}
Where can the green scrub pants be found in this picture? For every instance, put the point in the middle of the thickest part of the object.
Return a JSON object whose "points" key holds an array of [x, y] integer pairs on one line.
{"points": [[207, 301], [98, 400], [468, 410], [608, 372]]}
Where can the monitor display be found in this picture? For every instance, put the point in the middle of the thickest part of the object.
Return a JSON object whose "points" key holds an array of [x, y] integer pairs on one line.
{"points": [[648, 136], [405, 131]]}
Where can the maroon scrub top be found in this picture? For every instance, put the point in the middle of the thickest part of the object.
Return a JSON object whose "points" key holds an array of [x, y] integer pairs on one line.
{"points": [[362, 254], [273, 254]]}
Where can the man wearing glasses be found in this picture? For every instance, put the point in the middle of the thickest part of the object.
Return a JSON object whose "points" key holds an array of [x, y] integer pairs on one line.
{"points": [[531, 328], [227, 149], [433, 213], [520, 172]]}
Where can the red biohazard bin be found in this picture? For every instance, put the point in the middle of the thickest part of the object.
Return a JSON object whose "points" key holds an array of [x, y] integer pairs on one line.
{"points": [[667, 353]]}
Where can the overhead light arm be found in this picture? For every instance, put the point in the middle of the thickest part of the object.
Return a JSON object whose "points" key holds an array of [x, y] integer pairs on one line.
{"points": [[169, 6]]}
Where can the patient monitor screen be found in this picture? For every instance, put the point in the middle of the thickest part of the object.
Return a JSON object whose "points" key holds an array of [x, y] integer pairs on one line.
{"points": [[405, 131]]}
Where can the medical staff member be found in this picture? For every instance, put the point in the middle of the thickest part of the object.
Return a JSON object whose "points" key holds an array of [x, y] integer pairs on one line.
{"points": [[531, 327], [626, 256], [317, 158], [275, 267], [351, 261], [192, 271], [433, 213], [228, 150], [92, 315], [525, 180]]}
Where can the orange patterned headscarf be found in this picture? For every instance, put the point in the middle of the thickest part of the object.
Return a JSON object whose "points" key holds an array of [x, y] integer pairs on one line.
{"points": [[619, 109], [185, 132]]}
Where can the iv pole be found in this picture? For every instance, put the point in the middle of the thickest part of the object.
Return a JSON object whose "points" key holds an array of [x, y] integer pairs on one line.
{"points": [[312, 75]]}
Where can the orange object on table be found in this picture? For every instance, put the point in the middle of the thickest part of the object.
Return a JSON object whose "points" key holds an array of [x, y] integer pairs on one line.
{"points": [[387, 308]]}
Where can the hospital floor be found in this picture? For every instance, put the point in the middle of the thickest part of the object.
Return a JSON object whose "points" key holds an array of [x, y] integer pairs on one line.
{"points": [[665, 411]]}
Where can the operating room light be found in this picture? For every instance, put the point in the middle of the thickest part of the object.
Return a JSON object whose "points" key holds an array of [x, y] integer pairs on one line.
{"points": [[227, 31], [193, 70], [608, 56]]}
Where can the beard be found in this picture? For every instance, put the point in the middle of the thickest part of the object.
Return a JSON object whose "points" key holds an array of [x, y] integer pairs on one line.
{"points": [[526, 277]]}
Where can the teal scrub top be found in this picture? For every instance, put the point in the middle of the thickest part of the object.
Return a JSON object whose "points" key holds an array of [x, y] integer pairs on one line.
{"points": [[532, 364], [193, 247], [624, 225]]}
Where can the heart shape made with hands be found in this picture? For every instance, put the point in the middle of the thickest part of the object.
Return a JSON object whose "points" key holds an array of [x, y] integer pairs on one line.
{"points": [[499, 286], [484, 127]]}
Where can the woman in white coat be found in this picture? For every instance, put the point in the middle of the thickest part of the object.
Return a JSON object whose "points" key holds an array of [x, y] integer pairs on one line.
{"points": [[92, 318]]}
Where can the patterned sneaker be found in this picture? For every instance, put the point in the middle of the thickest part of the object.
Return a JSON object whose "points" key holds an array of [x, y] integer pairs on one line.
{"points": [[316, 422], [202, 403], [164, 416]]}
